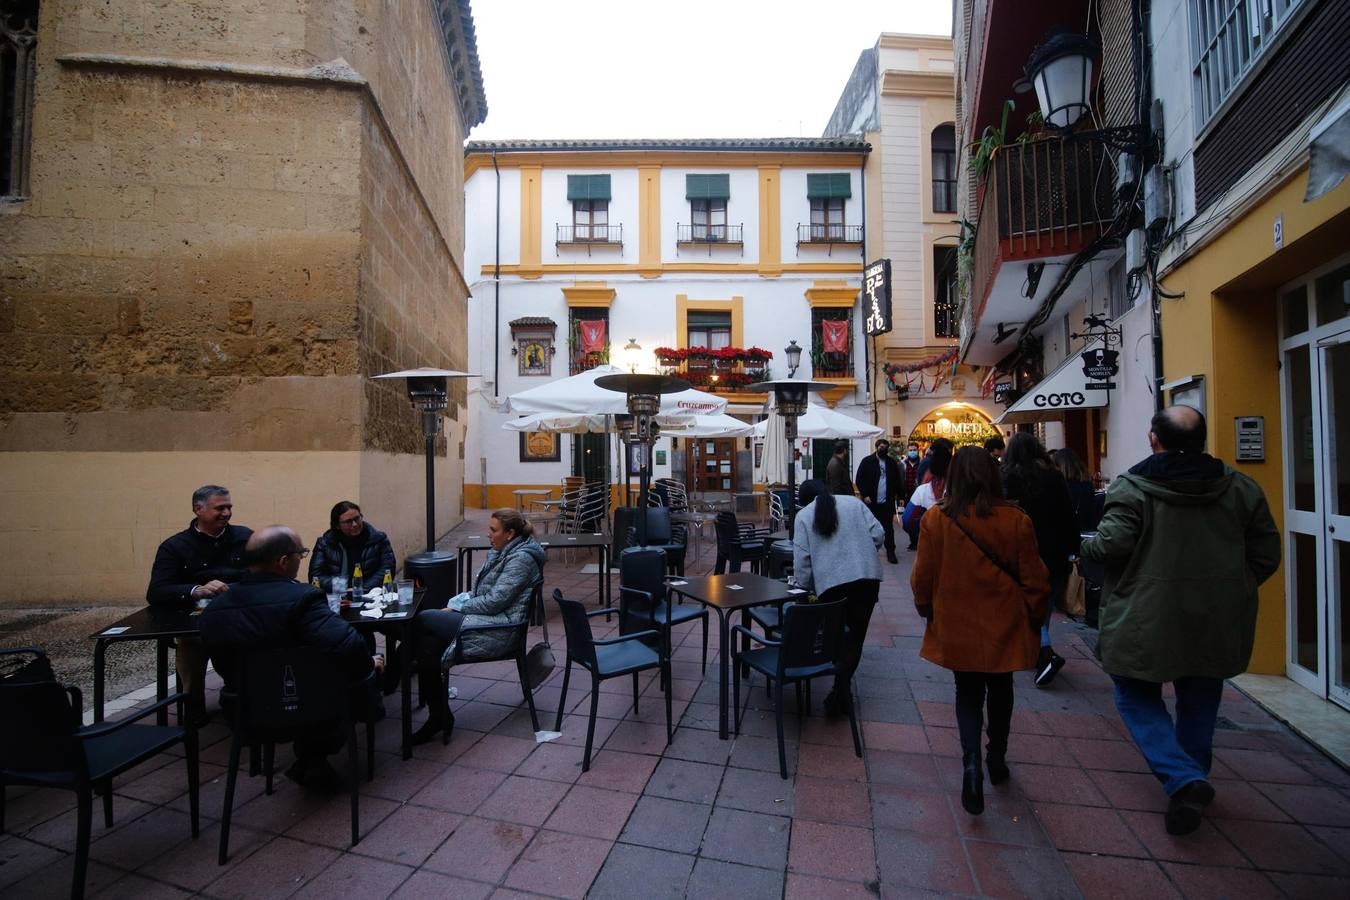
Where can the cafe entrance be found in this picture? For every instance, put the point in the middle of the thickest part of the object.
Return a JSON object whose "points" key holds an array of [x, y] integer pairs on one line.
{"points": [[1315, 350], [958, 422], [711, 464]]}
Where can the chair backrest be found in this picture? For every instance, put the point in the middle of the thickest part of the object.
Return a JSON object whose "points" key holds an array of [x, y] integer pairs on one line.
{"points": [[291, 688], [811, 634], [659, 530], [644, 568], [677, 496], [38, 721], [727, 530], [580, 643]]}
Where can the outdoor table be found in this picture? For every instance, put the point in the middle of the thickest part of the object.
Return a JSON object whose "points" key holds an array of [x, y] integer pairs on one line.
{"points": [[598, 542], [727, 594], [694, 520], [523, 494], [163, 624]]}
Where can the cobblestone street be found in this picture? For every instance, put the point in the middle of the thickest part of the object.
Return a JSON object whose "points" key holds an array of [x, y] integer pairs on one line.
{"points": [[497, 814]]}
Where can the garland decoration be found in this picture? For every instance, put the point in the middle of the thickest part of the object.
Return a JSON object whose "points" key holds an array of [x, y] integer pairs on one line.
{"points": [[919, 366]]}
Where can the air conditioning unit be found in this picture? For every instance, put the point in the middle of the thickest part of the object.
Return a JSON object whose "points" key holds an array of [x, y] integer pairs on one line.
{"points": [[1127, 175], [1136, 248], [1157, 197]]}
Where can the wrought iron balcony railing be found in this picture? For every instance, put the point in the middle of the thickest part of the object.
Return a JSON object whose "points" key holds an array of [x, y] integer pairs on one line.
{"points": [[709, 234], [590, 234], [829, 234]]}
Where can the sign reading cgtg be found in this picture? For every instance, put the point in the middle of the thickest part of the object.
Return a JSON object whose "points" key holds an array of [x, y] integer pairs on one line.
{"points": [[1064, 398], [877, 297]]}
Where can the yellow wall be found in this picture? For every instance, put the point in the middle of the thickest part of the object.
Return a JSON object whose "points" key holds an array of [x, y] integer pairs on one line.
{"points": [[1225, 328]]}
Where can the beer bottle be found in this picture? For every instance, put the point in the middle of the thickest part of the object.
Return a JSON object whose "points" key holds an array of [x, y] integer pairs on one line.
{"points": [[358, 586]]}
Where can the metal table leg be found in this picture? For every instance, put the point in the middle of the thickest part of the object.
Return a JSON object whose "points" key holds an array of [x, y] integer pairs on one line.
{"points": [[100, 662], [162, 678], [723, 670], [405, 676]]}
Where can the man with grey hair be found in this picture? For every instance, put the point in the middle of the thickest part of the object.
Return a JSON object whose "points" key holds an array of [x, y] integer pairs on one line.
{"points": [[196, 564], [1185, 541]]}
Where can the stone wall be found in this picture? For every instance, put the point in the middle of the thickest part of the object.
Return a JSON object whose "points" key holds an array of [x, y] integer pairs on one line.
{"points": [[221, 244]]}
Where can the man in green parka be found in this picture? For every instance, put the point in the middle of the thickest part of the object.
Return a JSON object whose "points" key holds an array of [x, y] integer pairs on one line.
{"points": [[1185, 541]]}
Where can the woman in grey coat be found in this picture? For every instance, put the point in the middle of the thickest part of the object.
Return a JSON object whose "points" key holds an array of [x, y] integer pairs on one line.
{"points": [[500, 596], [834, 554]]}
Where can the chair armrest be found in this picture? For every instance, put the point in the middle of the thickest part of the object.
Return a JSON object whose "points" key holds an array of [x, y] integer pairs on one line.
{"points": [[104, 728], [634, 636], [625, 591], [600, 612], [757, 638], [473, 628]]}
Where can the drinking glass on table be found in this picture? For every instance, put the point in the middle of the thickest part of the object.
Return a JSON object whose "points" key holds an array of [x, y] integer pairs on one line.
{"points": [[405, 593], [337, 587]]}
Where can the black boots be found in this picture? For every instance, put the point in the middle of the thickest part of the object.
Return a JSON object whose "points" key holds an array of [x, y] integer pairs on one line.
{"points": [[972, 784], [439, 716], [997, 763]]}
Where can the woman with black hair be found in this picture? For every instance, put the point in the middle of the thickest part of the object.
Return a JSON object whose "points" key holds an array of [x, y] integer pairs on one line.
{"points": [[932, 485], [351, 540], [1031, 480], [830, 558]]}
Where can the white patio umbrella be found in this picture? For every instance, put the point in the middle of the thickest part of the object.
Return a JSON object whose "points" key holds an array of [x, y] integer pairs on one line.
{"points": [[708, 425], [822, 422], [774, 463], [578, 395]]}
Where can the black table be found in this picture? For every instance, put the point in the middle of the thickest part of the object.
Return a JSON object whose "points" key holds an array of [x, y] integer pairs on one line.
{"points": [[727, 594], [163, 624], [550, 542]]}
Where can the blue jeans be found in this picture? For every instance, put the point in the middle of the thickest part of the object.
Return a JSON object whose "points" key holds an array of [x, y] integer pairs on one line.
{"points": [[1058, 585], [1177, 753]]}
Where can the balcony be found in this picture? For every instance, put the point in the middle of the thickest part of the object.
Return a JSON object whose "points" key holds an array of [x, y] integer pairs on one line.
{"points": [[710, 236], [728, 370], [829, 235], [1043, 201], [588, 236]]}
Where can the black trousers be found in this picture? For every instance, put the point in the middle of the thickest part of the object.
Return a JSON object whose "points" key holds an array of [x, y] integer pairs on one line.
{"points": [[885, 513], [436, 629], [971, 691], [862, 599]]}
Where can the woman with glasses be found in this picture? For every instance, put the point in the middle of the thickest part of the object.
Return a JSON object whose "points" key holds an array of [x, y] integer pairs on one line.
{"points": [[351, 540]]}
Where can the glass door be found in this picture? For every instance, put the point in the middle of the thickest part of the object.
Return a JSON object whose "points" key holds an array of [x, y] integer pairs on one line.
{"points": [[1315, 344]]}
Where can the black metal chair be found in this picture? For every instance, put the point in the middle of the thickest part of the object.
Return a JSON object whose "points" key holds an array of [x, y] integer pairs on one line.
{"points": [[738, 543], [644, 599], [664, 534], [604, 659], [515, 650], [42, 743], [812, 633], [288, 692]]}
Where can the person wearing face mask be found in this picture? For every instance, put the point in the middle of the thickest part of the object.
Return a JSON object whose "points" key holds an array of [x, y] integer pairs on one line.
{"points": [[879, 484], [909, 471]]}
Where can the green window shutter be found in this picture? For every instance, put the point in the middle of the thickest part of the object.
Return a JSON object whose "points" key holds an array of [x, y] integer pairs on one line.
{"points": [[709, 319], [828, 186], [707, 187], [587, 187]]}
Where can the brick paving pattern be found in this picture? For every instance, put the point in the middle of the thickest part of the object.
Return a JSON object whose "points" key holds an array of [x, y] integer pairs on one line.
{"points": [[495, 814]]}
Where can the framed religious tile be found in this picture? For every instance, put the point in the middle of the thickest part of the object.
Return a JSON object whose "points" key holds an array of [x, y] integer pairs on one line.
{"points": [[534, 355], [540, 446]]}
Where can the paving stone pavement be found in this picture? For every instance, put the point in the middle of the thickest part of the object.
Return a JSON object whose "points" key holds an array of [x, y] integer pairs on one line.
{"points": [[495, 814]]}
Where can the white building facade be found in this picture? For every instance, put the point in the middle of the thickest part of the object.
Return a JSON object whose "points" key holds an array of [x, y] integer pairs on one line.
{"points": [[578, 249]]}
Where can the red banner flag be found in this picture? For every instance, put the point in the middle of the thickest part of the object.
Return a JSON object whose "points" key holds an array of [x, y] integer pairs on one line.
{"points": [[834, 336], [592, 335]]}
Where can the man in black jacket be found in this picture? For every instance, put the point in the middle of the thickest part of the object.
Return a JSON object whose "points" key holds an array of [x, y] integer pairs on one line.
{"points": [[269, 608], [880, 484], [194, 565]]}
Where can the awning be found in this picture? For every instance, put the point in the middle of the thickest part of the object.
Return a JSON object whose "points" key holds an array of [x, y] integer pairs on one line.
{"points": [[1066, 388], [1329, 151]]}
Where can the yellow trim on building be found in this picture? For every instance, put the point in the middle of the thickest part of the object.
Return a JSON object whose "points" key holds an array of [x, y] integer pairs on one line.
{"points": [[735, 306], [831, 294], [615, 159], [589, 294], [894, 40], [842, 387], [770, 222], [649, 215], [531, 221], [917, 84], [583, 269]]}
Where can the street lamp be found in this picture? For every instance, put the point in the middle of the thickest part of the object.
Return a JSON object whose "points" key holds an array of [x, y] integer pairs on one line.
{"points": [[630, 353], [791, 400], [1061, 72], [794, 357], [429, 393], [644, 402]]}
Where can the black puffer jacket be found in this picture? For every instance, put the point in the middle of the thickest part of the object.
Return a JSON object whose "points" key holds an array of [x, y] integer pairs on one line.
{"points": [[330, 557], [190, 558], [265, 611], [1044, 496]]}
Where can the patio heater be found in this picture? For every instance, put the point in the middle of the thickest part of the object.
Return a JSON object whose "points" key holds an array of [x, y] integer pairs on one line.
{"points": [[644, 402], [428, 390], [790, 398]]}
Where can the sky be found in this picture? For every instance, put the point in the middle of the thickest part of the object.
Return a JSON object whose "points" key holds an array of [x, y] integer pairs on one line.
{"points": [[688, 69]]}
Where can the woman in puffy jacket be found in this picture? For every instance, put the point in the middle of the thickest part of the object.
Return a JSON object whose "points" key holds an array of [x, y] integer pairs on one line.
{"points": [[500, 596], [349, 540]]}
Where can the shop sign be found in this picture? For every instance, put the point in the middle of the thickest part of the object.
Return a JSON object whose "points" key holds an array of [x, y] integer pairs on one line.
{"points": [[1062, 399], [1003, 392], [877, 297], [1100, 364]]}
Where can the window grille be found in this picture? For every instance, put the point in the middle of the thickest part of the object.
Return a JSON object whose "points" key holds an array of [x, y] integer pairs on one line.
{"points": [[1227, 38], [18, 71]]}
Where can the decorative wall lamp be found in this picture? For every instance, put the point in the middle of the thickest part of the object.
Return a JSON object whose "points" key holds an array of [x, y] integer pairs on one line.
{"points": [[794, 357], [791, 400], [1060, 71], [630, 353], [644, 402]]}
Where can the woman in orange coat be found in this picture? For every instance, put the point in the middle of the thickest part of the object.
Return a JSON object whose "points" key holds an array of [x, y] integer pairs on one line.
{"points": [[981, 585]]}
